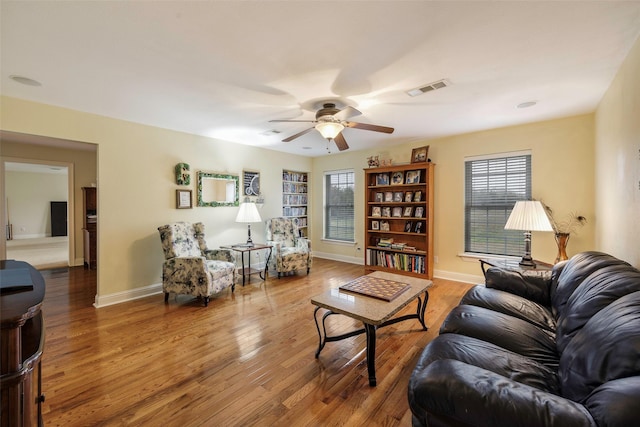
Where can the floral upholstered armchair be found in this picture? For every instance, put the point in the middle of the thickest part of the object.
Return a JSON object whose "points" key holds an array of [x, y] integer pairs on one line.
{"points": [[290, 251], [189, 267]]}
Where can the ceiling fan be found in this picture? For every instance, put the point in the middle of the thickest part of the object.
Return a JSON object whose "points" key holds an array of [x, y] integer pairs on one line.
{"points": [[330, 121]]}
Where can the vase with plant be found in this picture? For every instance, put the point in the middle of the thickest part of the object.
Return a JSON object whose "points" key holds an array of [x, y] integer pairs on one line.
{"points": [[563, 230]]}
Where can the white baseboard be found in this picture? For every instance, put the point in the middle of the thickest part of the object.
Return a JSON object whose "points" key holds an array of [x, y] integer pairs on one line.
{"points": [[343, 258], [29, 236], [119, 297]]}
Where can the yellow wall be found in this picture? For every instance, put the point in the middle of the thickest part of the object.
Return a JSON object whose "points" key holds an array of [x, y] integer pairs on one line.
{"points": [[618, 163], [562, 173], [136, 186]]}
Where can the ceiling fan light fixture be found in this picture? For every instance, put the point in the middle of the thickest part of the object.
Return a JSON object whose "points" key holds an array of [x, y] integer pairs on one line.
{"points": [[329, 130]]}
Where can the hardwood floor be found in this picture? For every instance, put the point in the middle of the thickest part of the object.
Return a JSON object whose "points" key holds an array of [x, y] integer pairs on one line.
{"points": [[247, 359]]}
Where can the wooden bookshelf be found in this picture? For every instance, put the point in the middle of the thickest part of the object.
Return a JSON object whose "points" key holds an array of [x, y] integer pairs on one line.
{"points": [[399, 219], [295, 198]]}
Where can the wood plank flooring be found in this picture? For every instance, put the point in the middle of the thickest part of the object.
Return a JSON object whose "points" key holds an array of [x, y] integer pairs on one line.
{"points": [[246, 360]]}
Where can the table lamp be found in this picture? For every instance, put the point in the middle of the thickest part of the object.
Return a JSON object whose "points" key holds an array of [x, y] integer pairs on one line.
{"points": [[248, 213], [528, 215]]}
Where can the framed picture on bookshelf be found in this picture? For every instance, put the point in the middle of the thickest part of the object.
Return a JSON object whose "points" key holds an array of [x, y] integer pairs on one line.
{"points": [[397, 212], [388, 196], [382, 179], [413, 177], [397, 196], [420, 154], [386, 211], [419, 212], [418, 227], [375, 211], [417, 196], [384, 225], [408, 196], [407, 226], [379, 197], [397, 178], [408, 211], [375, 225]]}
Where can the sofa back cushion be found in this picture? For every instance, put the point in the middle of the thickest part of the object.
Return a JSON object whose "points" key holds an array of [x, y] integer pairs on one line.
{"points": [[179, 240], [605, 349], [596, 292], [573, 273]]}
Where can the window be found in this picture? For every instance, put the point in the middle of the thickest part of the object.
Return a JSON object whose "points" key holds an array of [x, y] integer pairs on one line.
{"points": [[492, 186], [338, 205]]}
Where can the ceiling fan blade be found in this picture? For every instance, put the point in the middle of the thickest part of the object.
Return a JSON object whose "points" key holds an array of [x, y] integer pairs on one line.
{"points": [[346, 112], [341, 143], [286, 121], [366, 126], [292, 137]]}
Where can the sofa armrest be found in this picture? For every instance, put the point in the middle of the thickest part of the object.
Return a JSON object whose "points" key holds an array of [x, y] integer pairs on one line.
{"points": [[534, 288], [462, 394]]}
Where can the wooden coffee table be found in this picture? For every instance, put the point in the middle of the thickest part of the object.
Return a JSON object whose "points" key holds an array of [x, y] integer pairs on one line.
{"points": [[374, 313]]}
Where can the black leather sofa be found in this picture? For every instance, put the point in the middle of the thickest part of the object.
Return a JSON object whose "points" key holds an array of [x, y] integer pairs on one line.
{"points": [[561, 351]]}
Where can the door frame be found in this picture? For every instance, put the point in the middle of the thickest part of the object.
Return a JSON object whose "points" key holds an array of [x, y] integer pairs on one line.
{"points": [[70, 202]]}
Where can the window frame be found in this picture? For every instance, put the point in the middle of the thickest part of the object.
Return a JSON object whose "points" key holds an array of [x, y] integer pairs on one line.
{"points": [[326, 229], [511, 241]]}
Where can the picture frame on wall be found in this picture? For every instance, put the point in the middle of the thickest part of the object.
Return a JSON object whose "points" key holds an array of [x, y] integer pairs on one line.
{"points": [[184, 199], [420, 154]]}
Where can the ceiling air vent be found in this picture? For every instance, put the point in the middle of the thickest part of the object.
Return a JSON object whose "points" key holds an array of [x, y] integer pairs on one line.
{"points": [[429, 87]]}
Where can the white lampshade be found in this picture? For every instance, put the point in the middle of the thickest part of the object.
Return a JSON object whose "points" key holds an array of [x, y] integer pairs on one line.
{"points": [[528, 215], [248, 212], [329, 130]]}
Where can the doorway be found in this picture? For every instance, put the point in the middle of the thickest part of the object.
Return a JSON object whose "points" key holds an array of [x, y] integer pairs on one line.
{"points": [[38, 212]]}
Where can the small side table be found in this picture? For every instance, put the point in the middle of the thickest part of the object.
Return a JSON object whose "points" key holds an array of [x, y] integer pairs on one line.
{"points": [[247, 271], [542, 269]]}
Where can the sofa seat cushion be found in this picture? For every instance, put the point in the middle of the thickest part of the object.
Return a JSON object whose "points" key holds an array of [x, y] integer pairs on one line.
{"points": [[505, 331], [513, 305], [489, 356], [615, 403], [453, 393], [606, 348]]}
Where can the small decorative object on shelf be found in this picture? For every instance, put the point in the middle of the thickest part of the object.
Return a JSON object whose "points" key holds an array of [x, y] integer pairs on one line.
{"points": [[183, 177], [399, 223], [373, 161]]}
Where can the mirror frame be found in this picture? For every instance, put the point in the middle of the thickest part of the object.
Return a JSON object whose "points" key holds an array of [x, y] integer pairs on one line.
{"points": [[227, 177]]}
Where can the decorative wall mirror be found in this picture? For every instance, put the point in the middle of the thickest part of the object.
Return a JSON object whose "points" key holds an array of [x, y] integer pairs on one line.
{"points": [[218, 189]]}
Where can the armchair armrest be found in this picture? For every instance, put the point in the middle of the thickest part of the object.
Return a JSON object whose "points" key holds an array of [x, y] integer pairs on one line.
{"points": [[220, 255], [303, 243], [277, 246], [534, 288], [462, 394]]}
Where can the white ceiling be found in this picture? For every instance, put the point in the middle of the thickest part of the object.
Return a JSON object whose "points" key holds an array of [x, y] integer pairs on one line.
{"points": [[225, 68]]}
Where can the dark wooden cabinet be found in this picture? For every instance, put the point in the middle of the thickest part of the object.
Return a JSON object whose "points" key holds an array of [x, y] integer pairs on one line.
{"points": [[22, 344], [89, 229]]}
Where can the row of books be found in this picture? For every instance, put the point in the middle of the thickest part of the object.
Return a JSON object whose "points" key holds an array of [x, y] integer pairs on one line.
{"points": [[294, 176], [294, 211], [288, 187], [294, 199], [398, 261]]}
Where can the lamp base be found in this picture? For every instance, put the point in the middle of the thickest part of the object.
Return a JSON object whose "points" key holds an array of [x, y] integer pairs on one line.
{"points": [[249, 243], [527, 262]]}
